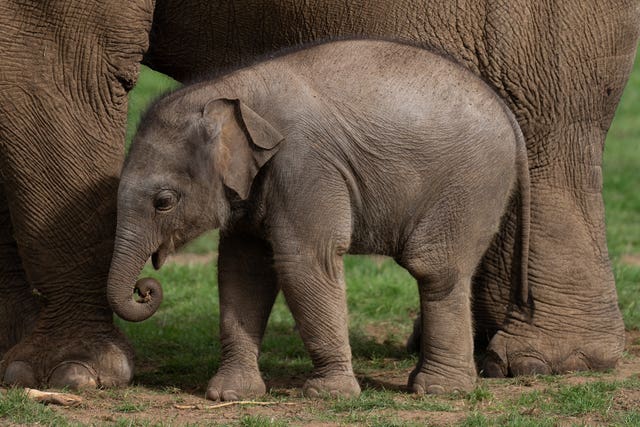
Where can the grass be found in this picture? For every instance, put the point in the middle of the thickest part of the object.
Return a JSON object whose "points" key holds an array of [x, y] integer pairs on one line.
{"points": [[17, 407], [149, 87], [371, 400], [593, 400], [178, 349], [260, 421]]}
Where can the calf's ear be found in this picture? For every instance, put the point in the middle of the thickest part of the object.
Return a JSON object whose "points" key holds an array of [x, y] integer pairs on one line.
{"points": [[243, 142]]}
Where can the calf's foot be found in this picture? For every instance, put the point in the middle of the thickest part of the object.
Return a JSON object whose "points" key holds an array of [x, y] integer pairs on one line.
{"points": [[437, 381], [338, 385], [235, 384]]}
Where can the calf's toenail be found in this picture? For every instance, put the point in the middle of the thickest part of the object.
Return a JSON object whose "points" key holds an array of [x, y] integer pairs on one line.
{"points": [[312, 392], [229, 395], [213, 395]]}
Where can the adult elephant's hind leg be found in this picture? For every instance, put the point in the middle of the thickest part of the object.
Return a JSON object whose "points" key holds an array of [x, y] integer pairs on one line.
{"points": [[18, 305], [575, 323]]}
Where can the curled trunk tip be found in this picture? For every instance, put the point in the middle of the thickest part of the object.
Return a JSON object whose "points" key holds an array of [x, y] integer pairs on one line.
{"points": [[149, 298]]}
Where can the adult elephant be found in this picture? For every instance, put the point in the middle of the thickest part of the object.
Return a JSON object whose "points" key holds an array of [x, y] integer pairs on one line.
{"points": [[561, 67]]}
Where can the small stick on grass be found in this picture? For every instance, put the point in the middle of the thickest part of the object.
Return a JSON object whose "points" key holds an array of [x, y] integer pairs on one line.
{"points": [[63, 399], [236, 402]]}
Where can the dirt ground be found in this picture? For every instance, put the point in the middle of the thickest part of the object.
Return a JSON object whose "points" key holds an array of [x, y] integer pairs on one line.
{"points": [[142, 406]]}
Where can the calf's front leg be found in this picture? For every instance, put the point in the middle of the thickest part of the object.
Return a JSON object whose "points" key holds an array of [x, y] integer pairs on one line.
{"points": [[248, 288], [314, 287]]}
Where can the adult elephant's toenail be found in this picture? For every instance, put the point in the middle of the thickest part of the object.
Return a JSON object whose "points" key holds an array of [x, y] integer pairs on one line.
{"points": [[20, 373], [575, 363], [73, 374], [417, 389], [528, 365], [435, 389], [116, 369], [493, 367]]}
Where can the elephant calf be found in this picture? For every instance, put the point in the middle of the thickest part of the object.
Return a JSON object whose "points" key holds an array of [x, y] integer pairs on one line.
{"points": [[355, 146]]}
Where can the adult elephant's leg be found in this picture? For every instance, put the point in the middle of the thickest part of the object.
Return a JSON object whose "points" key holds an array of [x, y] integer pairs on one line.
{"points": [[575, 322], [18, 306], [561, 69], [63, 114], [65, 252]]}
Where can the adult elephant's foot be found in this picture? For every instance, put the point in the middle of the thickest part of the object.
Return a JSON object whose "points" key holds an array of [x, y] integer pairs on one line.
{"points": [[332, 385], [76, 358], [235, 384], [571, 319], [525, 349]]}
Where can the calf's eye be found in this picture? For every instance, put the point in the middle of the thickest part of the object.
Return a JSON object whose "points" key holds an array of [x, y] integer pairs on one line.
{"points": [[165, 200]]}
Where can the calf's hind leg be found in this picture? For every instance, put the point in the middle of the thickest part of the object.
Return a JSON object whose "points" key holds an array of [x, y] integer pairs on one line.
{"points": [[442, 255], [446, 350]]}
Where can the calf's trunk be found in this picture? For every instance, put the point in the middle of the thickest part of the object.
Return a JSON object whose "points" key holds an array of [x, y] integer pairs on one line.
{"points": [[127, 262]]}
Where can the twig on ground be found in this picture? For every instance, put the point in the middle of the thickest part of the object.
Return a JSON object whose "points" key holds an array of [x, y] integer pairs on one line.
{"points": [[235, 402], [63, 399]]}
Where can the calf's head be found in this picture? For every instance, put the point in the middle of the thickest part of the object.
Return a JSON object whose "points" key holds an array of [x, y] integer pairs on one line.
{"points": [[184, 163]]}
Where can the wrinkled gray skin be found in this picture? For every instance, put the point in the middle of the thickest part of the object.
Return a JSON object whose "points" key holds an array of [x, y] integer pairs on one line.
{"points": [[366, 147]]}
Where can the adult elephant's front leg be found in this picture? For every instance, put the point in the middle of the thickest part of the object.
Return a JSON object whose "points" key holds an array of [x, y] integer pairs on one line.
{"points": [[248, 288], [65, 250], [63, 113], [18, 305]]}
